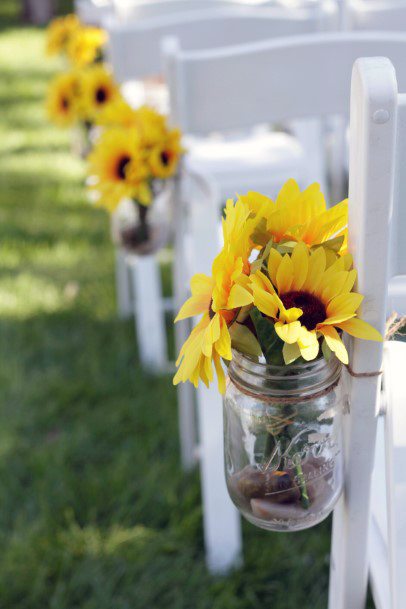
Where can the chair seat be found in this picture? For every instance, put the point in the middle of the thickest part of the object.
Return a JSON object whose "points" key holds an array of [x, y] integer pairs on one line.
{"points": [[256, 162]]}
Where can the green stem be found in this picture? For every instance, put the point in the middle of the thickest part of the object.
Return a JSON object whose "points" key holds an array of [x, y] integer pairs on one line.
{"points": [[304, 496]]}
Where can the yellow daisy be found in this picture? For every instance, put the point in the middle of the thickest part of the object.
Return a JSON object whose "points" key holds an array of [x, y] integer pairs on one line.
{"points": [[115, 156], [308, 300], [60, 32], [164, 157], [98, 89], [85, 45], [62, 101], [298, 216]]}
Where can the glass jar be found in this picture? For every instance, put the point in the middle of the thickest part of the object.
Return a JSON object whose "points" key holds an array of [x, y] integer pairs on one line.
{"points": [[283, 441], [144, 230]]}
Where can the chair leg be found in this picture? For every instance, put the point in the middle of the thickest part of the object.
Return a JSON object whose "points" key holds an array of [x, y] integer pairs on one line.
{"points": [[222, 525], [123, 287], [186, 393], [148, 312], [222, 528]]}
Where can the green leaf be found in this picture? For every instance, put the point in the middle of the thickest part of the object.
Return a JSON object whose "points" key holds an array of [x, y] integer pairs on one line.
{"points": [[270, 342], [257, 264], [260, 235], [332, 244], [326, 350], [244, 340]]}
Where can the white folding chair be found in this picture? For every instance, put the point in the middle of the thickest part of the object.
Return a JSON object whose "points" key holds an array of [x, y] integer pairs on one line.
{"points": [[134, 52], [284, 66], [93, 12]]}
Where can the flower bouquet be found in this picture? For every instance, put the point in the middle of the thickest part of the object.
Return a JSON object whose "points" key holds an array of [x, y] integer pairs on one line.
{"points": [[280, 298], [79, 43], [131, 163]]}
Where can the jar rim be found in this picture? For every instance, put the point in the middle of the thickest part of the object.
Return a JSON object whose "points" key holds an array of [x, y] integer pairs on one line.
{"points": [[293, 380]]}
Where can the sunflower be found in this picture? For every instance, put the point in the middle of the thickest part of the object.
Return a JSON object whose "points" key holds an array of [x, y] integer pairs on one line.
{"points": [[62, 101], [298, 216], [118, 169], [151, 125], [97, 90], [308, 300], [117, 113], [85, 45], [164, 157], [59, 33]]}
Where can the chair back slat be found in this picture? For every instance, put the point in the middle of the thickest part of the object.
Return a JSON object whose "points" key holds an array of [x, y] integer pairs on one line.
{"points": [[373, 125], [273, 80], [134, 47], [390, 16], [144, 9]]}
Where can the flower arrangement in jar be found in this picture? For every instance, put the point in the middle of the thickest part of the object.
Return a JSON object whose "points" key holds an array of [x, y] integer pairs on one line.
{"points": [[132, 161], [280, 298]]}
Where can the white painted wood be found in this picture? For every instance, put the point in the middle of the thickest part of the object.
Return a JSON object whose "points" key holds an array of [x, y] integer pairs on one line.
{"points": [[148, 314], [134, 46], [372, 167], [186, 394], [123, 285], [395, 389], [93, 12], [381, 15], [222, 526], [296, 64], [141, 9]]}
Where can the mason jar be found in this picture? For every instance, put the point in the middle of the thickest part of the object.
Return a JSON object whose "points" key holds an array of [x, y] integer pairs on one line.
{"points": [[144, 230], [283, 441]]}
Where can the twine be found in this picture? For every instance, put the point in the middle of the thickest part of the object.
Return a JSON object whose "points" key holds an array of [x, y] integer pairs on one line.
{"points": [[285, 400], [394, 323]]}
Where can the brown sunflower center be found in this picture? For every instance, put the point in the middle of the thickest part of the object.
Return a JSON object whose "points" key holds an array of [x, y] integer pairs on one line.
{"points": [[101, 95], [64, 103], [121, 166], [165, 158], [314, 311]]}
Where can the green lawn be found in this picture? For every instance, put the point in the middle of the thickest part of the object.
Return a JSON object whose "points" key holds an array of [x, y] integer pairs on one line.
{"points": [[94, 510]]}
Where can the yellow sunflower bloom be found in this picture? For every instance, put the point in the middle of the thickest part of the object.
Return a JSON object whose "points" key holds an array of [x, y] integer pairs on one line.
{"points": [[151, 125], [118, 113], [98, 89], [62, 100], [308, 300], [59, 33], [164, 158], [219, 299], [298, 216], [85, 45], [118, 169]]}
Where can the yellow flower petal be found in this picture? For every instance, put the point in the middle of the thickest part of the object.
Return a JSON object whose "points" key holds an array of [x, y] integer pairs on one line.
{"points": [[300, 260], [308, 344], [289, 333], [239, 297], [274, 260], [335, 343], [290, 353], [284, 275], [360, 329], [344, 303]]}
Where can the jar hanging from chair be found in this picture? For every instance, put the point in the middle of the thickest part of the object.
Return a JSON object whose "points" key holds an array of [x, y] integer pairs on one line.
{"points": [[283, 441]]}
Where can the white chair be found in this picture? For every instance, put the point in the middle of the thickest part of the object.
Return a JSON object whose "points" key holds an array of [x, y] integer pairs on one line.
{"points": [[93, 12], [142, 9], [286, 66], [134, 51]]}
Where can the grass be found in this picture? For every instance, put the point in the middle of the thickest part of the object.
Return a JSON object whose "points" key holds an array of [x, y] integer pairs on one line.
{"points": [[95, 512]]}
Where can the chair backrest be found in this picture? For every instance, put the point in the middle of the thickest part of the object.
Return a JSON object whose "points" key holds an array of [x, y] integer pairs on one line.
{"points": [[377, 186], [93, 12], [135, 47], [271, 81], [145, 9], [389, 15]]}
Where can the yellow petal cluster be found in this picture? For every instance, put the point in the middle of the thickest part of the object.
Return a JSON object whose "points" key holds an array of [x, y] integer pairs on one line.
{"points": [[309, 300], [59, 33], [301, 280]]}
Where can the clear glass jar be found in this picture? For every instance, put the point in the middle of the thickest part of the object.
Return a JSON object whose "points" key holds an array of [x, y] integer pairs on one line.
{"points": [[144, 230], [283, 441]]}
